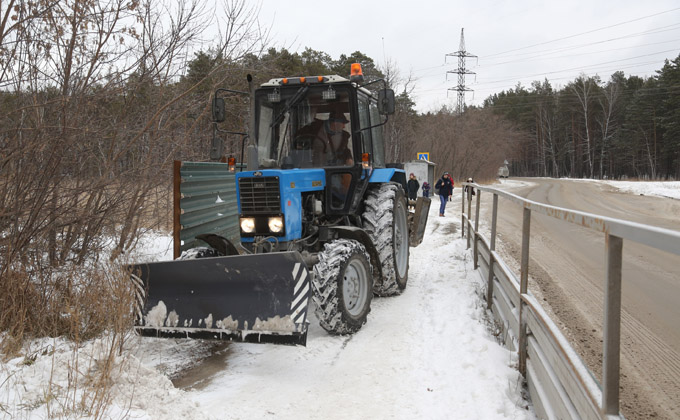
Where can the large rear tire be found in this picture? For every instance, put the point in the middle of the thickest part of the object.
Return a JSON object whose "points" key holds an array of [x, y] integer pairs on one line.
{"points": [[386, 222], [343, 283]]}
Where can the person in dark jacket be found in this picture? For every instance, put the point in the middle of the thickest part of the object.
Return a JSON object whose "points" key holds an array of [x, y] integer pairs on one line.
{"points": [[413, 186], [470, 190], [426, 189], [445, 187]]}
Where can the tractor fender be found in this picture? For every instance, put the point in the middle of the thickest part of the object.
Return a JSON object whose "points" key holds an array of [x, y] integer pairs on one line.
{"points": [[385, 175], [222, 245], [360, 235]]}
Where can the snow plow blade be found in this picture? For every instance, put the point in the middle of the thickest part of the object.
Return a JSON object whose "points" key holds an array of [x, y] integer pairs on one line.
{"points": [[251, 298], [418, 221]]}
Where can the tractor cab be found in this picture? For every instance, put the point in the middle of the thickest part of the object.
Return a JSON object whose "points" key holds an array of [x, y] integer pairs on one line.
{"points": [[319, 122], [325, 122]]}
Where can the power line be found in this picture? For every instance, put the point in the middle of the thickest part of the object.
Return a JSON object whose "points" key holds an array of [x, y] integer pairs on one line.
{"points": [[579, 54], [585, 33], [653, 31], [560, 57], [478, 86], [429, 92], [511, 78], [539, 54]]}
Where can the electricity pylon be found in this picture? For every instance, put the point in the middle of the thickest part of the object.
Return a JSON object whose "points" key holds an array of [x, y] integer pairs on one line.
{"points": [[461, 72]]}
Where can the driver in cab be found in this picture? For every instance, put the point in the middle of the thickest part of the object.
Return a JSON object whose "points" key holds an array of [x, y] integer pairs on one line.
{"points": [[333, 149]]}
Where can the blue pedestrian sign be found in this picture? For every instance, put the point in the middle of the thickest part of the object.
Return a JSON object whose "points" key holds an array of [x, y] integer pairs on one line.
{"points": [[424, 156]]}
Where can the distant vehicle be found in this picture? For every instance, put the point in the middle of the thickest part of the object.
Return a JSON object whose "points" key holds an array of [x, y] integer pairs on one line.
{"points": [[503, 172]]}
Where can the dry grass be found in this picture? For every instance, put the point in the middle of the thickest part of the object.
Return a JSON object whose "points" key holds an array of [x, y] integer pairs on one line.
{"points": [[98, 304]]}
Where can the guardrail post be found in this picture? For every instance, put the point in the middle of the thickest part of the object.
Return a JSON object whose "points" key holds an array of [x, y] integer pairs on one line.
{"points": [[523, 286], [612, 326], [176, 211], [489, 287], [462, 213], [476, 256], [469, 213]]}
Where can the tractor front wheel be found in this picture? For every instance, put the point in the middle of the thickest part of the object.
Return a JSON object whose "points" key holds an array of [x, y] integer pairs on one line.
{"points": [[386, 221], [343, 283]]}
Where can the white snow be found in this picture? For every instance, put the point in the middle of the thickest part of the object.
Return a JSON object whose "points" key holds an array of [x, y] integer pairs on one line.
{"points": [[668, 189], [427, 353]]}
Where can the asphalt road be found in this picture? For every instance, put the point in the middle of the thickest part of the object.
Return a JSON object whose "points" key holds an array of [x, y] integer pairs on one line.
{"points": [[567, 270]]}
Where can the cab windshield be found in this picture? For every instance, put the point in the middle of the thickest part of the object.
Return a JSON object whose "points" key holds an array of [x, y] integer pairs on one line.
{"points": [[303, 127]]}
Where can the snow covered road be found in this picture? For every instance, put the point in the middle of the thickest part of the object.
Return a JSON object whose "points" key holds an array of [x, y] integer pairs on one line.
{"points": [[426, 354]]}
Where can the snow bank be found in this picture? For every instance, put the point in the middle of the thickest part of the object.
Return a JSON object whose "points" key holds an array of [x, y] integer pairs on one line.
{"points": [[424, 354], [57, 380], [667, 189]]}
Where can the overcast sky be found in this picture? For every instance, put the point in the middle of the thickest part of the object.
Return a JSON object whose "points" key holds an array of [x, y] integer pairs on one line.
{"points": [[515, 41]]}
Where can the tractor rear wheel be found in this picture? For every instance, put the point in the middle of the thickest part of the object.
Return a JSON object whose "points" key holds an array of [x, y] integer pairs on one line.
{"points": [[386, 221], [343, 283]]}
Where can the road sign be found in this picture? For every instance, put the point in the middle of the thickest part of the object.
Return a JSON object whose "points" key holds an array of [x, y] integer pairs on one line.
{"points": [[424, 156]]}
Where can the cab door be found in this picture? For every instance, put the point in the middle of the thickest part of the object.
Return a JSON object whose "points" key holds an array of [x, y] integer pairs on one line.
{"points": [[346, 186]]}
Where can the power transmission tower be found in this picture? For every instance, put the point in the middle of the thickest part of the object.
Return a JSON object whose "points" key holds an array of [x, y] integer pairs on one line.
{"points": [[461, 72]]}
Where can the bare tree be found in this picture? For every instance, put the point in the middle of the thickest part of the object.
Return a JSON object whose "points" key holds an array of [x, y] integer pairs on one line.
{"points": [[585, 89], [608, 104], [92, 113], [400, 129]]}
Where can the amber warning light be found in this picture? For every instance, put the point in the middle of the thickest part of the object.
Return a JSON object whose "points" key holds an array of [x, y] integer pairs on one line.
{"points": [[366, 160], [232, 163], [356, 74]]}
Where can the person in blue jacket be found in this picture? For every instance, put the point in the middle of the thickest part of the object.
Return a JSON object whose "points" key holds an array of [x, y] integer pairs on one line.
{"points": [[445, 187]]}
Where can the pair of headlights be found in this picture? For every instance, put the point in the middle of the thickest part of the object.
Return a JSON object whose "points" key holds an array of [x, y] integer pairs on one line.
{"points": [[275, 224]]}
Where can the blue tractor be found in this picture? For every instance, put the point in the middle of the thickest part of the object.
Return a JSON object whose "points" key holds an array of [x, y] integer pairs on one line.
{"points": [[324, 223]]}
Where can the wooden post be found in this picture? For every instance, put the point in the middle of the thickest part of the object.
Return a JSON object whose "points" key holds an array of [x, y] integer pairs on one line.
{"points": [[469, 213], [176, 211], [611, 346], [462, 213], [489, 287], [476, 248], [523, 287]]}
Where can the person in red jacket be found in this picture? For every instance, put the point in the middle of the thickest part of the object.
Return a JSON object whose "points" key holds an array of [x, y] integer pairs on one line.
{"points": [[452, 185]]}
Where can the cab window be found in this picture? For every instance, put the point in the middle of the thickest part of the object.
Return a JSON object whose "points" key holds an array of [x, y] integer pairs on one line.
{"points": [[377, 137]]}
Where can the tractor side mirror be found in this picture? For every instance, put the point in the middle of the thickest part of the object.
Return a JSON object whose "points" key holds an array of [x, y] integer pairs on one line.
{"points": [[216, 148], [218, 114], [386, 101]]}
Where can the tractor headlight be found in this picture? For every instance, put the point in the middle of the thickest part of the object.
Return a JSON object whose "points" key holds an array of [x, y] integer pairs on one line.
{"points": [[247, 224], [276, 224]]}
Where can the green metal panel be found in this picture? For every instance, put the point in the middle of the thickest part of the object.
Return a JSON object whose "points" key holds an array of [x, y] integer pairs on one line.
{"points": [[205, 202]]}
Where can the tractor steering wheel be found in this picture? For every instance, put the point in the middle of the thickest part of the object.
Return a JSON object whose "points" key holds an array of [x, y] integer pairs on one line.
{"points": [[307, 142]]}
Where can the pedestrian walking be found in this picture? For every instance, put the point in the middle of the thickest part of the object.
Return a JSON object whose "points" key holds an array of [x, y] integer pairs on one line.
{"points": [[445, 187]]}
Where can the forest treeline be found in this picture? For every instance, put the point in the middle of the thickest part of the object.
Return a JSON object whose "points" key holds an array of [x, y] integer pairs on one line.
{"points": [[628, 126], [98, 98]]}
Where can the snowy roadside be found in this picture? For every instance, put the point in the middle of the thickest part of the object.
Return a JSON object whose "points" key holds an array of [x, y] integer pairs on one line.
{"points": [[425, 354], [666, 189]]}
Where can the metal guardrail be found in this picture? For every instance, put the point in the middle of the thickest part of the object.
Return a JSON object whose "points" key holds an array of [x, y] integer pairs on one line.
{"points": [[560, 384], [204, 202]]}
